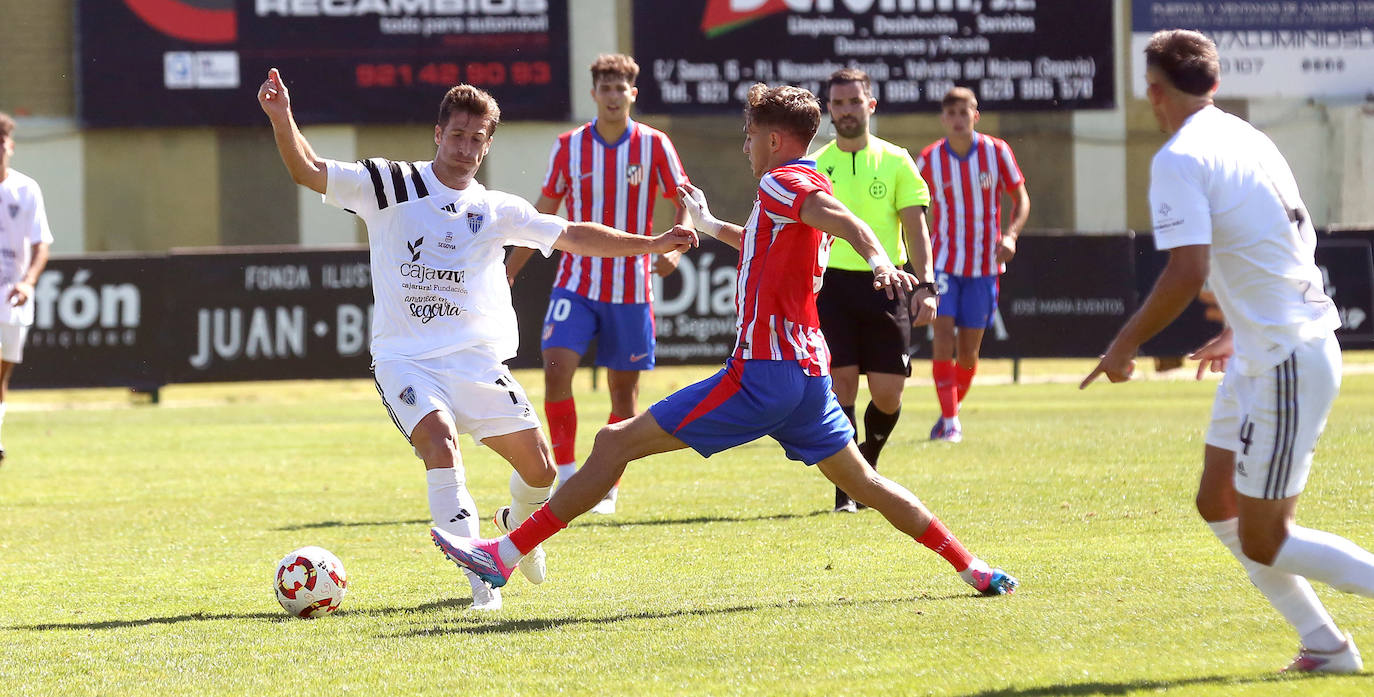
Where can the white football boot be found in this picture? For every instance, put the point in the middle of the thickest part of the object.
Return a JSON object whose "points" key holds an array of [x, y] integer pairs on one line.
{"points": [[484, 597], [532, 564], [1344, 660], [606, 506]]}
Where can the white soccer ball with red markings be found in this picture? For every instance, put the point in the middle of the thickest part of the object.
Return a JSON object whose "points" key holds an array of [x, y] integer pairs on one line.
{"points": [[311, 582]]}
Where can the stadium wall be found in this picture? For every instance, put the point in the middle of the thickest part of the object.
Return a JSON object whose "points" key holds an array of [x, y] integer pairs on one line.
{"points": [[130, 189]]}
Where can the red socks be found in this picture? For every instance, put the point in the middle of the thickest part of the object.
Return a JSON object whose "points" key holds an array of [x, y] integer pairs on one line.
{"points": [[964, 379], [562, 417], [946, 387], [937, 538], [539, 527]]}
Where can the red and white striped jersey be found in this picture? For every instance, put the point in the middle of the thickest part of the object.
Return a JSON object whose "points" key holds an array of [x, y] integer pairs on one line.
{"points": [[966, 202], [781, 262], [613, 184]]}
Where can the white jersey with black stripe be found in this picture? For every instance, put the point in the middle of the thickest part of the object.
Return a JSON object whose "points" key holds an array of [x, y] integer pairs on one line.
{"points": [[438, 273], [1221, 182]]}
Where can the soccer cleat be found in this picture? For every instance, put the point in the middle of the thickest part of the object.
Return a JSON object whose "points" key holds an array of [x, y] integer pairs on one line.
{"points": [[847, 507], [532, 564], [994, 582], [485, 598], [475, 554], [606, 506], [945, 432], [1345, 660]]}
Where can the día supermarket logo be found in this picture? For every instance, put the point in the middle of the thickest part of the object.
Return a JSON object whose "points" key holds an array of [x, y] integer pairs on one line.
{"points": [[198, 21], [723, 16]]}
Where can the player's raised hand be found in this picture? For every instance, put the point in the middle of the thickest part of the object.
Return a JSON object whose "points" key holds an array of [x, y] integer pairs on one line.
{"points": [[1214, 354], [888, 278], [694, 201], [273, 97], [680, 239]]}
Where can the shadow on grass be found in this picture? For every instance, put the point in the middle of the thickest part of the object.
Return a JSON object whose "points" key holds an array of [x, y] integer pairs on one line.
{"points": [[218, 616], [1134, 686], [593, 521], [351, 524], [537, 624]]}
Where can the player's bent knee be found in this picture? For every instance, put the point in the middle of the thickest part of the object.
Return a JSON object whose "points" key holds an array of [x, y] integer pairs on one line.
{"points": [[1261, 546]]}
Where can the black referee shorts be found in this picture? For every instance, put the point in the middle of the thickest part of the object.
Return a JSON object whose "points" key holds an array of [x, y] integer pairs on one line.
{"points": [[863, 326]]}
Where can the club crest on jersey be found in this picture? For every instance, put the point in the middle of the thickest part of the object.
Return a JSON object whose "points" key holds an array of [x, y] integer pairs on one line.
{"points": [[14, 210], [475, 221], [984, 180], [877, 189], [634, 174], [408, 395]]}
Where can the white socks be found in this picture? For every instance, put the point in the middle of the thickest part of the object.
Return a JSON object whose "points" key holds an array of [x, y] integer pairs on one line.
{"points": [[976, 565], [1327, 558], [450, 504], [526, 499], [566, 471], [1290, 594]]}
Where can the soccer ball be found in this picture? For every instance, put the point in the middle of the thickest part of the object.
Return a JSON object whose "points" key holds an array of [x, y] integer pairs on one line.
{"points": [[310, 582]]}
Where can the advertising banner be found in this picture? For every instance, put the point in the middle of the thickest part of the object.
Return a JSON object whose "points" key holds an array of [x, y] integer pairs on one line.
{"points": [[1062, 296], [702, 57], [98, 322], [199, 62], [268, 315], [1270, 48]]}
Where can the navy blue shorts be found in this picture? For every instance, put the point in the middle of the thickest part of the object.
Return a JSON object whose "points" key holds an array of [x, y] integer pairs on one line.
{"points": [[624, 331], [750, 399], [970, 300]]}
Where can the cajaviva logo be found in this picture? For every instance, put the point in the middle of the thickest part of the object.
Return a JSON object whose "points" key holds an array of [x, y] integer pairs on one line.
{"points": [[199, 21], [723, 16]]}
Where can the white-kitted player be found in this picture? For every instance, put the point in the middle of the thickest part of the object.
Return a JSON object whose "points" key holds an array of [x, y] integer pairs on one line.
{"points": [[443, 319], [1226, 207], [24, 241]]}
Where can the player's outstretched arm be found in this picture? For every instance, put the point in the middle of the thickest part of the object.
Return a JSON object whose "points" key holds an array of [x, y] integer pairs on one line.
{"points": [[825, 212], [597, 240], [519, 256], [1180, 282], [306, 168], [694, 202]]}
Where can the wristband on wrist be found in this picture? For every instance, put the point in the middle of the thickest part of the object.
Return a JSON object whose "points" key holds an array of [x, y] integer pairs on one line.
{"points": [[879, 259]]}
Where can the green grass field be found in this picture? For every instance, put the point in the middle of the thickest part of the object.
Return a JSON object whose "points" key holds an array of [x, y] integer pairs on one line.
{"points": [[137, 545]]}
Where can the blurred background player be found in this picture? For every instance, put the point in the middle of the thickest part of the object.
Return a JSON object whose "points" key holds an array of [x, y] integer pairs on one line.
{"points": [[776, 382], [1227, 208], [869, 333], [24, 242], [967, 172], [444, 321], [611, 171]]}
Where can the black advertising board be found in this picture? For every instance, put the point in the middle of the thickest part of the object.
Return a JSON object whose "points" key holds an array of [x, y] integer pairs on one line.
{"points": [[199, 62], [268, 315], [1347, 264], [1017, 55], [97, 323], [694, 308], [1063, 296]]}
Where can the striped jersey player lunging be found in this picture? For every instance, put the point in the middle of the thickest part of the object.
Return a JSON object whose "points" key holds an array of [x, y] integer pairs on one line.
{"points": [[776, 381]]}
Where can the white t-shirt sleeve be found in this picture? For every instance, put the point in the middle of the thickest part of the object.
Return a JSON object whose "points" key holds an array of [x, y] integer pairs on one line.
{"points": [[1178, 202], [349, 186], [521, 225], [39, 232]]}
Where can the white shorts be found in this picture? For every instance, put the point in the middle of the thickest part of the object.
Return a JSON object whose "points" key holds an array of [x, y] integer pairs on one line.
{"points": [[12, 338], [1271, 421], [471, 386]]}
